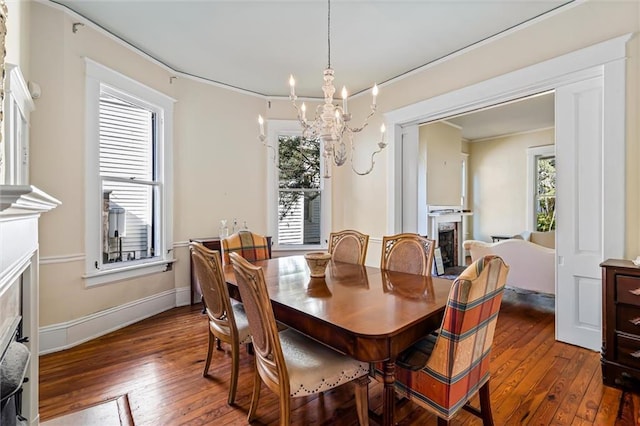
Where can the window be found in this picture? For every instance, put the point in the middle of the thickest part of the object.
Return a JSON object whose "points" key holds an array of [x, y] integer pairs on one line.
{"points": [[541, 199], [545, 201], [300, 201], [128, 178]]}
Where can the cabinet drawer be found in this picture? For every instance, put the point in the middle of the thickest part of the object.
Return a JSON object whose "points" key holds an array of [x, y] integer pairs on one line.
{"points": [[628, 319], [628, 351], [628, 289]]}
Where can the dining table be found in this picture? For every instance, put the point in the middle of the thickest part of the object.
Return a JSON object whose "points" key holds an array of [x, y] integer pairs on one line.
{"points": [[365, 312]]}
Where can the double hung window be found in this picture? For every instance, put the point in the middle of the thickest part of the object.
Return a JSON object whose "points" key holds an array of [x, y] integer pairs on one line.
{"points": [[128, 179], [300, 201]]}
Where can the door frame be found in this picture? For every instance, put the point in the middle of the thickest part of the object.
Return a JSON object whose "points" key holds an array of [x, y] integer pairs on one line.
{"points": [[606, 59]]}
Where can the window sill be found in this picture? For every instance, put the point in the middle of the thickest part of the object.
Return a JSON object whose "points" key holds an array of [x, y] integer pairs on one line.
{"points": [[296, 250], [107, 276]]}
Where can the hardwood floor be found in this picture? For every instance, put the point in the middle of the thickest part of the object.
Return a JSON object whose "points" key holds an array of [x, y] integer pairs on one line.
{"points": [[158, 364]]}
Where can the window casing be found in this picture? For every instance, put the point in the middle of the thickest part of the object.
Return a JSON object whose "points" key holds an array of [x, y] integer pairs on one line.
{"points": [[299, 200], [128, 175]]}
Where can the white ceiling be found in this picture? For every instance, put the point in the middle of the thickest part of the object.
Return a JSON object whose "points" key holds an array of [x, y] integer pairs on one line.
{"points": [[535, 112], [255, 45]]}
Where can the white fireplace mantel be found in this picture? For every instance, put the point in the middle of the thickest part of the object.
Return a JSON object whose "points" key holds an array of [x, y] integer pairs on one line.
{"points": [[25, 200], [448, 214], [20, 209]]}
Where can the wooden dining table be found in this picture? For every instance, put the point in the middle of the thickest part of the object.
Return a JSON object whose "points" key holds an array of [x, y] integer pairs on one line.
{"points": [[367, 313]]}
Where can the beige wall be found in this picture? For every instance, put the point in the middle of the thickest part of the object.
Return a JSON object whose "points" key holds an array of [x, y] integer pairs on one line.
{"points": [[57, 161], [498, 175], [443, 145], [219, 165], [579, 26]]}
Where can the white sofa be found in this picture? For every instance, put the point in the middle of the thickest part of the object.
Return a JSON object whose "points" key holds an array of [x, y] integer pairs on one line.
{"points": [[532, 266]]}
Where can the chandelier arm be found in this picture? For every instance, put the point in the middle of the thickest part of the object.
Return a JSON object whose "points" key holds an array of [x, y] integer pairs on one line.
{"points": [[381, 146], [365, 122], [263, 140], [370, 169]]}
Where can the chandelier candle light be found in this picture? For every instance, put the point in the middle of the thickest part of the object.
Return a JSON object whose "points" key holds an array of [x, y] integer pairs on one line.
{"points": [[331, 122]]}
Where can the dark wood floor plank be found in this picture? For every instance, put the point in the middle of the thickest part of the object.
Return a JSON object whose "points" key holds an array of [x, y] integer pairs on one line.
{"points": [[158, 364]]}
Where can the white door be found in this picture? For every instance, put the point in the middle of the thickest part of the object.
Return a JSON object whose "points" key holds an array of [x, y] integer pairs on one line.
{"points": [[579, 209]]}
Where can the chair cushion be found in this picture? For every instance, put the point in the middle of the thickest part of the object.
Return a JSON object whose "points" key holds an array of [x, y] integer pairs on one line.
{"points": [[416, 357], [313, 367], [242, 323]]}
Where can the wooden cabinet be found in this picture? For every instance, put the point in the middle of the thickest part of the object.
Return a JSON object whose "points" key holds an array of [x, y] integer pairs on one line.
{"points": [[621, 324], [212, 243]]}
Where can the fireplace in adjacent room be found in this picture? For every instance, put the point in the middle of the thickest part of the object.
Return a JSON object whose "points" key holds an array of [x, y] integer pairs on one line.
{"points": [[447, 240], [447, 226]]}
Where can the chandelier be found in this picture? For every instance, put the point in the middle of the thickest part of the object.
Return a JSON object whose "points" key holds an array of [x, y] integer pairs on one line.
{"points": [[331, 123]]}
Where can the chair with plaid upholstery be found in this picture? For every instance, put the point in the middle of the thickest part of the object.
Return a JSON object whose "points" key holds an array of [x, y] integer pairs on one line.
{"points": [[410, 253], [227, 320], [247, 244], [348, 246], [444, 370]]}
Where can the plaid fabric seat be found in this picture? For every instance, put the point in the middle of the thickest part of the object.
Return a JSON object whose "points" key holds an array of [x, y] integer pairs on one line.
{"points": [[247, 244], [444, 370]]}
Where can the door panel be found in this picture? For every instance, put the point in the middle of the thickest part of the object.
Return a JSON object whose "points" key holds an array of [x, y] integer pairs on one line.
{"points": [[579, 248]]}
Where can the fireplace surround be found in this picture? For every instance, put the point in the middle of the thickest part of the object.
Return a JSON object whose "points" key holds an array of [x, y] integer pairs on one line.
{"points": [[441, 220], [20, 210]]}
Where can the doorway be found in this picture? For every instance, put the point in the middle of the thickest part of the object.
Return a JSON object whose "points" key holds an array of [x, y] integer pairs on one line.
{"points": [[602, 64]]}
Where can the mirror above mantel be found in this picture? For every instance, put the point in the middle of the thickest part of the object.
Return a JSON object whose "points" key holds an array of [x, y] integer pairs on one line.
{"points": [[14, 148]]}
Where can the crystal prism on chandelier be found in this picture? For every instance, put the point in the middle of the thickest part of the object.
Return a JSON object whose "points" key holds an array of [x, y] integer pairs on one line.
{"points": [[331, 123]]}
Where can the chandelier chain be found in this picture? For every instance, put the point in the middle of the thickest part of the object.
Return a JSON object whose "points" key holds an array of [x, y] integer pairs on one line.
{"points": [[331, 121], [329, 34]]}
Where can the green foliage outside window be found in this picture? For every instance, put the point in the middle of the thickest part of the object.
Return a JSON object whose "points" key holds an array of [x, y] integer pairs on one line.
{"points": [[546, 194], [299, 168]]}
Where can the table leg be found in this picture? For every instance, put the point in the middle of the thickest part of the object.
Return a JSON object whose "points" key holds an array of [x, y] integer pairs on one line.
{"points": [[388, 404]]}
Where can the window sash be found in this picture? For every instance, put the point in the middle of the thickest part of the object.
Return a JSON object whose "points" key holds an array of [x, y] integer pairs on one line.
{"points": [[289, 128], [101, 79], [129, 188]]}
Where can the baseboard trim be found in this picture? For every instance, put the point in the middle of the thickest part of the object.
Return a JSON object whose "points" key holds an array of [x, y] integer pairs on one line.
{"points": [[57, 337]]}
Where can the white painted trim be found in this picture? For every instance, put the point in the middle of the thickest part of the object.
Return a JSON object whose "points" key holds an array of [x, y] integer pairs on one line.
{"points": [[450, 124], [508, 135], [532, 154], [275, 128], [613, 170], [544, 76], [97, 74], [76, 257], [183, 295], [129, 271], [179, 244], [67, 258], [68, 334], [21, 200]]}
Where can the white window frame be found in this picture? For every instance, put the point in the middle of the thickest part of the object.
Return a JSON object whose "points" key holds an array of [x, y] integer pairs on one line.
{"points": [[97, 273], [276, 128], [532, 171]]}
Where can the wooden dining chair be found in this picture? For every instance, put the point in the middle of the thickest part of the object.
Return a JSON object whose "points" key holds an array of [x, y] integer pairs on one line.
{"points": [[227, 320], [407, 252], [289, 363], [348, 246], [247, 244], [443, 371]]}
